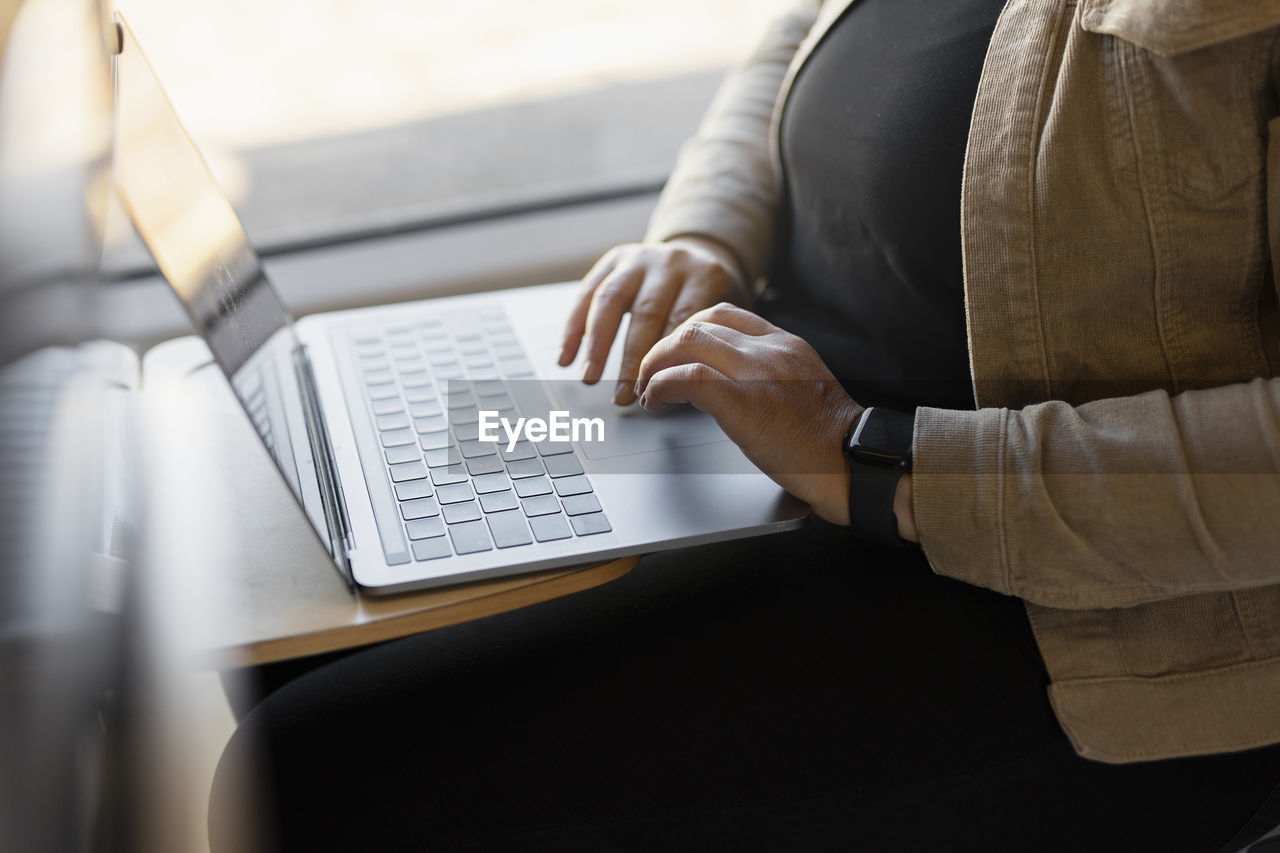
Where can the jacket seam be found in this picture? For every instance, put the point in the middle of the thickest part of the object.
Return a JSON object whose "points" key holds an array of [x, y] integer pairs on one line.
{"points": [[1168, 680], [1033, 160], [1132, 93], [1246, 624], [1180, 748], [1110, 596]]}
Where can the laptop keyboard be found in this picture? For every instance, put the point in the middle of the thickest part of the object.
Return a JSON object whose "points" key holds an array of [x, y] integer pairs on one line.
{"points": [[423, 385]]}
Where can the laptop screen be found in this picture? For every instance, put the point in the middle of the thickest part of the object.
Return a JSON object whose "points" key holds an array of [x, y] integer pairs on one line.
{"points": [[199, 245]]}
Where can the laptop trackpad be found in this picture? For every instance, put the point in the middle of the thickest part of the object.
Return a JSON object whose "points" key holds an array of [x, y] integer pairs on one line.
{"points": [[632, 430]]}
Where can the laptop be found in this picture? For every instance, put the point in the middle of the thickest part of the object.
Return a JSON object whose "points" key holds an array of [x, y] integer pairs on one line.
{"points": [[435, 442]]}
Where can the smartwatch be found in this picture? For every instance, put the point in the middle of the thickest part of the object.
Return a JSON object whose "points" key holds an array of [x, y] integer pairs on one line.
{"points": [[878, 448]]}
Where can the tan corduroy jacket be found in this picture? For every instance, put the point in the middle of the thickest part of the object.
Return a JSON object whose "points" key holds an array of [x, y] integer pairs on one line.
{"points": [[1122, 474]]}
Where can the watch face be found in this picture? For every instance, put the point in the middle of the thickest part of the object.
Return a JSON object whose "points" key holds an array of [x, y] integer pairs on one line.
{"points": [[883, 438]]}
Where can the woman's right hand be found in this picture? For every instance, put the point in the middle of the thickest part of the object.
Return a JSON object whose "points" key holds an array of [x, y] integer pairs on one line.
{"points": [[662, 285]]}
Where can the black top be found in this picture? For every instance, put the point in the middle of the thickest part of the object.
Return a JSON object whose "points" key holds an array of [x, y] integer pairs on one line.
{"points": [[873, 138]]}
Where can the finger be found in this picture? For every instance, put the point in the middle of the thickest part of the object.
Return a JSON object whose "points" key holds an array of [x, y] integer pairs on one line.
{"points": [[576, 324], [610, 301], [698, 384], [740, 319], [648, 318], [716, 346], [693, 297]]}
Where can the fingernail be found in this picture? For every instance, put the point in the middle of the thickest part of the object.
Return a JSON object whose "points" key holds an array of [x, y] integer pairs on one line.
{"points": [[620, 393], [638, 389], [644, 403], [587, 368]]}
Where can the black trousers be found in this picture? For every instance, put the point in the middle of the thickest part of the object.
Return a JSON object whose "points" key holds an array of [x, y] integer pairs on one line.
{"points": [[795, 692]]}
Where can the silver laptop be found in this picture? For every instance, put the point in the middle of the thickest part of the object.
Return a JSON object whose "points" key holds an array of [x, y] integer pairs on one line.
{"points": [[434, 442]]}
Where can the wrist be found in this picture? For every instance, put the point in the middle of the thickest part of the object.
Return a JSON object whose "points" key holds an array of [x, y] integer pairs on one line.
{"points": [[727, 257], [903, 510], [878, 448]]}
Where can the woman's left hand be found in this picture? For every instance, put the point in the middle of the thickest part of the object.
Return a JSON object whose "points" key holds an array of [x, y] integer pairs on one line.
{"points": [[770, 393]]}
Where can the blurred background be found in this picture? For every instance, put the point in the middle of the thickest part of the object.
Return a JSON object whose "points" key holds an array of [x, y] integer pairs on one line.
{"points": [[376, 151], [340, 119]]}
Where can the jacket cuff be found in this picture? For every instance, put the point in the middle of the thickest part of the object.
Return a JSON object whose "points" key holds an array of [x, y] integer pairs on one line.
{"points": [[957, 494]]}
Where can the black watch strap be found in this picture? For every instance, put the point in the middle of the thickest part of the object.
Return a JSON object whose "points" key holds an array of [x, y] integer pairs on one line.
{"points": [[879, 450]]}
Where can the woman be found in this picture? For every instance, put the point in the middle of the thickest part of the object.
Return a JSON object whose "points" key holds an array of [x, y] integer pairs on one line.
{"points": [[1036, 234]]}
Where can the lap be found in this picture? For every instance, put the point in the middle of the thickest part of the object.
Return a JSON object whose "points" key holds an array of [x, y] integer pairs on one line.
{"points": [[768, 692]]}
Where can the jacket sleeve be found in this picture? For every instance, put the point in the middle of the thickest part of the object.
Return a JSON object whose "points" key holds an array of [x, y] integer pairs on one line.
{"points": [[1109, 504], [1115, 502], [723, 185]]}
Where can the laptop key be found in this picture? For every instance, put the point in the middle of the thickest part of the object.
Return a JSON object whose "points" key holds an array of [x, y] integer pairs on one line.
{"points": [[408, 471], [382, 392], [521, 468], [434, 423], [420, 508], [563, 466], [484, 465], [420, 395], [548, 528], [486, 483], [567, 486], [395, 437], [585, 525], [470, 537], [509, 529], [541, 505], [412, 490], [465, 415], [516, 368], [498, 502], [581, 504], [471, 449], [431, 549], [435, 440], [458, 400], [533, 486], [425, 410], [458, 513], [425, 528], [522, 450], [466, 432], [388, 406], [443, 456], [555, 448], [455, 493], [402, 453], [396, 421], [502, 401], [448, 476]]}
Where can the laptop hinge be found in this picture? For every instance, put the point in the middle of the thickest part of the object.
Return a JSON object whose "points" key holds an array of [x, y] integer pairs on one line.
{"points": [[335, 508]]}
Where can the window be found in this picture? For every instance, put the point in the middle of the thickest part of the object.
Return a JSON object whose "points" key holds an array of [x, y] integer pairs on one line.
{"points": [[333, 119]]}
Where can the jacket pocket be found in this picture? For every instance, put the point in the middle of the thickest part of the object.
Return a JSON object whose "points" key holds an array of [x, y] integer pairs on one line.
{"points": [[1193, 76], [1173, 27]]}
